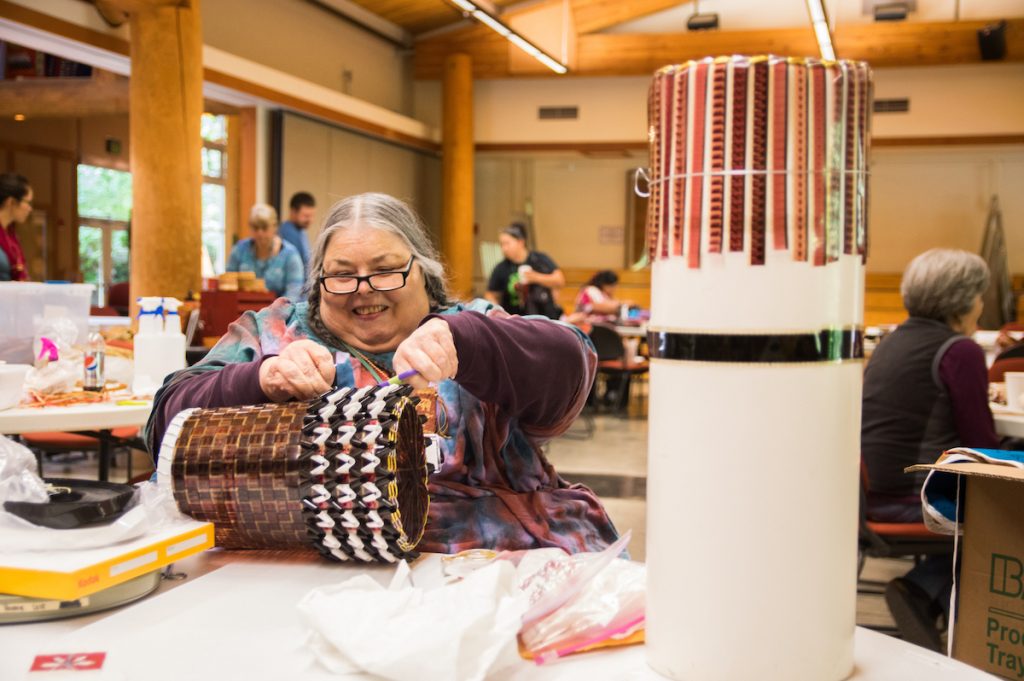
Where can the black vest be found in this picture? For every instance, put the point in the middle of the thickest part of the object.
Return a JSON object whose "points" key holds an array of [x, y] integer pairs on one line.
{"points": [[907, 416]]}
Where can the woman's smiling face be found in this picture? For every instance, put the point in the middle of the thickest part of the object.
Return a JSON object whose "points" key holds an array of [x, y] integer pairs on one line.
{"points": [[376, 321]]}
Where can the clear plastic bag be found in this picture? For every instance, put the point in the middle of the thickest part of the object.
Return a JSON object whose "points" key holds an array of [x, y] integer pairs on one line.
{"points": [[581, 601], [19, 476], [151, 509]]}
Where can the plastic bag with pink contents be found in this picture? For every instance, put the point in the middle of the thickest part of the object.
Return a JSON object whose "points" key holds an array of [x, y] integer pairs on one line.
{"points": [[580, 601]]}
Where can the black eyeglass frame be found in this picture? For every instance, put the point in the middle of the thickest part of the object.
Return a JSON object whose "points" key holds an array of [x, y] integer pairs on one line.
{"points": [[368, 278]]}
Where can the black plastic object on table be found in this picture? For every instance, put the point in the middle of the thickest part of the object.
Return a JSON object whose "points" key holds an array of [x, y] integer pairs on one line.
{"points": [[75, 503]]}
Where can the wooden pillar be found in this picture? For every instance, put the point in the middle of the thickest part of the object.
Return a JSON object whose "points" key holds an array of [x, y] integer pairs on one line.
{"points": [[457, 174], [246, 139], [166, 103]]}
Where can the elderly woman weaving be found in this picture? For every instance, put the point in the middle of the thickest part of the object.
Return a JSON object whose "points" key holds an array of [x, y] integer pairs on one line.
{"points": [[378, 306], [925, 391]]}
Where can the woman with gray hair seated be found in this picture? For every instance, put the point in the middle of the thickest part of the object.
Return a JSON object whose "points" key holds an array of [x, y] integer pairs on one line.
{"points": [[270, 257], [925, 391], [378, 306]]}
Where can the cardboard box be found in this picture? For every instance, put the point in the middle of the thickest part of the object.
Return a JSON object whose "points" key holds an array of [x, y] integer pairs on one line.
{"points": [[70, 575], [989, 628]]}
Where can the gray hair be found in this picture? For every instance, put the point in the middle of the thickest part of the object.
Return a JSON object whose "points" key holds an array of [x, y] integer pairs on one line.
{"points": [[391, 215], [942, 284], [262, 215]]}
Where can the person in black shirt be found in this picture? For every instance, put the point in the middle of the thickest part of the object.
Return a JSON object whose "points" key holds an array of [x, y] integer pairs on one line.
{"points": [[525, 281]]}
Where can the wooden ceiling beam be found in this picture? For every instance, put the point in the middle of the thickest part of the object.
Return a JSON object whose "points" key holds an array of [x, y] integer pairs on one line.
{"points": [[880, 44], [596, 15], [918, 44], [134, 6], [642, 54], [104, 94], [63, 97]]}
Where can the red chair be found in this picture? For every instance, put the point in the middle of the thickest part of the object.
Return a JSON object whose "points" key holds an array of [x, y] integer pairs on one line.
{"points": [[119, 297], [893, 540], [102, 311], [997, 372]]}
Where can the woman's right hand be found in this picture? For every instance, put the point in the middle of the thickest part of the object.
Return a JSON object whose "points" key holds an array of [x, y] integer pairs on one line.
{"points": [[303, 370]]}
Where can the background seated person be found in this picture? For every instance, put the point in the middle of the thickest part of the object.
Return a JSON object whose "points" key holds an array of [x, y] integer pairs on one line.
{"points": [[377, 306], [15, 207], [525, 281], [274, 260], [596, 301], [925, 391]]}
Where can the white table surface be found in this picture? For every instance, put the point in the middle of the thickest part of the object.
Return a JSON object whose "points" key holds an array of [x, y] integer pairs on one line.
{"points": [[1007, 422], [100, 320], [99, 416], [234, 617], [632, 331]]}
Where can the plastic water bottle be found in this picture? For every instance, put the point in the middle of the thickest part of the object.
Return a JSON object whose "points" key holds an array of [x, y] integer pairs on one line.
{"points": [[94, 362]]}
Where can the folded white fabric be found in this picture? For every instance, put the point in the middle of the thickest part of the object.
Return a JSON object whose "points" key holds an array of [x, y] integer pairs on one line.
{"points": [[455, 631]]}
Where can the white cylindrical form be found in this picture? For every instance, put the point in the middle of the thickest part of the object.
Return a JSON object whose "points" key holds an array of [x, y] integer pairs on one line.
{"points": [[757, 237]]}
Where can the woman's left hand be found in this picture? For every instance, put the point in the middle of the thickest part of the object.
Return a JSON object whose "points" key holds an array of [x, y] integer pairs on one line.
{"points": [[430, 350]]}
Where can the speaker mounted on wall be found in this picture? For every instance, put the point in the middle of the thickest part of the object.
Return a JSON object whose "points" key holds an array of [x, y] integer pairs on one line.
{"points": [[992, 41]]}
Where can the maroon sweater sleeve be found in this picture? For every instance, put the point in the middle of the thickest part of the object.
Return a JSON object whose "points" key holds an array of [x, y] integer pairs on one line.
{"points": [[962, 370], [534, 369], [232, 385]]}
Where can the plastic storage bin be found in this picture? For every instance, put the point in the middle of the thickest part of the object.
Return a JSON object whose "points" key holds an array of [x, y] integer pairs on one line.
{"points": [[24, 306]]}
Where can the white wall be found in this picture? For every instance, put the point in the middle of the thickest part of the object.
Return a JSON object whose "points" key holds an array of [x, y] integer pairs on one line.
{"points": [[920, 197], [566, 198], [976, 99], [300, 39], [331, 164], [970, 99], [925, 198]]}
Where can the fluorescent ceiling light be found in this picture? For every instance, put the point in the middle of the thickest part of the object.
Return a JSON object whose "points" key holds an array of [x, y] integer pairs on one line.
{"points": [[819, 20], [492, 23], [502, 29]]}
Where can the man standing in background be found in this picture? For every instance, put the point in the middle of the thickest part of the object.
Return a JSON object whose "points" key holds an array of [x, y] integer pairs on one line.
{"points": [[302, 211]]}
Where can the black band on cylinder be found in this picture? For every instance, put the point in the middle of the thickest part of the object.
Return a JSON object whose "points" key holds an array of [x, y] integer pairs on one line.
{"points": [[827, 345]]}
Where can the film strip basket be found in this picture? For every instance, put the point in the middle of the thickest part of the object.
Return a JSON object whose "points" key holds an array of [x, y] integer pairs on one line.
{"points": [[346, 473], [753, 155]]}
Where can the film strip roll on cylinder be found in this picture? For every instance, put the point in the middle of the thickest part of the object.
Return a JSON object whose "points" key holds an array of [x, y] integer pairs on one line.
{"points": [[757, 237], [345, 474]]}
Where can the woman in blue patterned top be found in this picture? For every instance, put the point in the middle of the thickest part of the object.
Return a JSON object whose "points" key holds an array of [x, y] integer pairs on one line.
{"points": [[274, 260]]}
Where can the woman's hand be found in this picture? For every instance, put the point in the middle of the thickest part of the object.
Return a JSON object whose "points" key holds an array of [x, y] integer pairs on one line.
{"points": [[430, 350], [303, 370]]}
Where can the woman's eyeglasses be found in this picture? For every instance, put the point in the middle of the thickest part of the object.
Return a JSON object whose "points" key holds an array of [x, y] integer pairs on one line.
{"points": [[378, 281]]}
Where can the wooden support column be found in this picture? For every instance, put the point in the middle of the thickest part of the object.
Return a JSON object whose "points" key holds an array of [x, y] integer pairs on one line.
{"points": [[166, 103], [246, 139], [457, 174]]}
